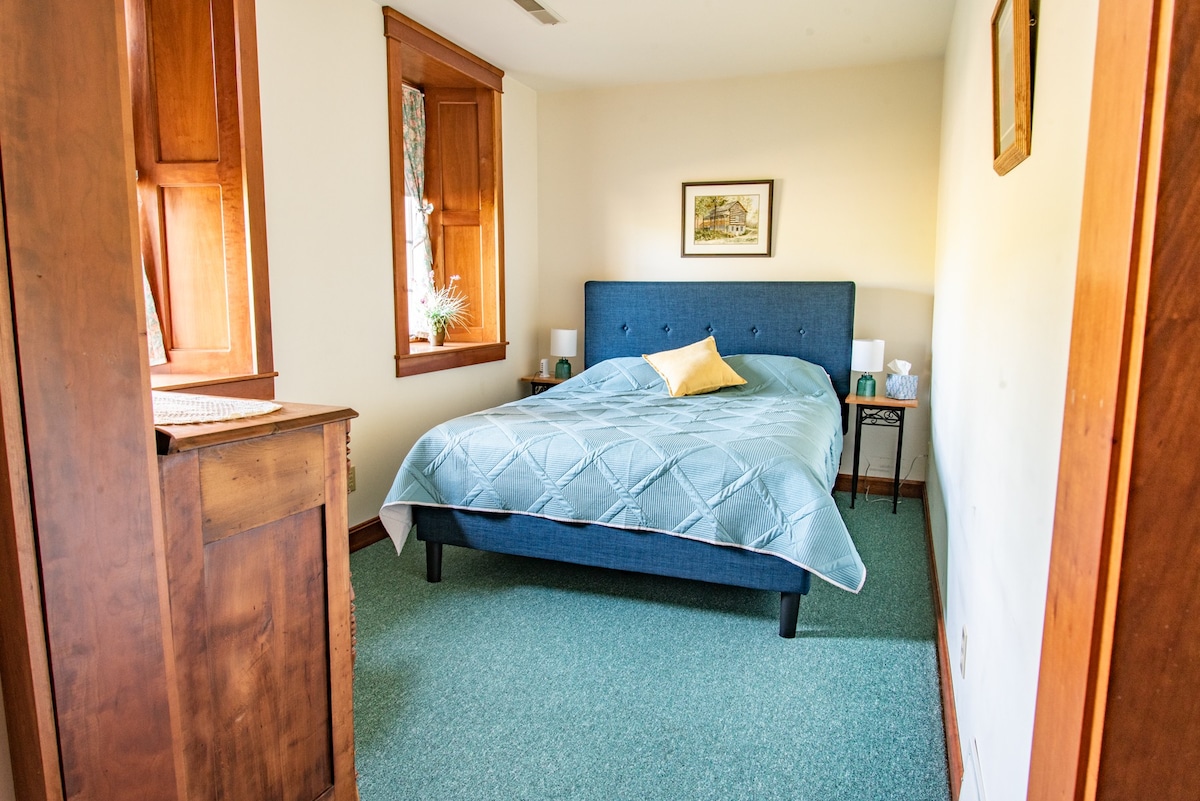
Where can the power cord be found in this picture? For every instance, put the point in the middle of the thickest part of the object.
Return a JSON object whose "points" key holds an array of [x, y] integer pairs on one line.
{"points": [[886, 498]]}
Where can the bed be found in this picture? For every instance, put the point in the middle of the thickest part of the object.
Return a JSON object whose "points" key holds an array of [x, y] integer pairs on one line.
{"points": [[753, 324]]}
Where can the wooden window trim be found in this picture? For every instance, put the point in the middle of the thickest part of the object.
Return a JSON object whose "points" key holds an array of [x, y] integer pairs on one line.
{"points": [[246, 369], [435, 59], [257, 385], [419, 57], [424, 358]]}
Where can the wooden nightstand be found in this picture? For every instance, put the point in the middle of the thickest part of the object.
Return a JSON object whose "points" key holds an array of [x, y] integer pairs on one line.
{"points": [[879, 410], [540, 383]]}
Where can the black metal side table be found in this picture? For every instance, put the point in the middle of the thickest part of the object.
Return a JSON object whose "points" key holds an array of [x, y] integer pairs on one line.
{"points": [[878, 411]]}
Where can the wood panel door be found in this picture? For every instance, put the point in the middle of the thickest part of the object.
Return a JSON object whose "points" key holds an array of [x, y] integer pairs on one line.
{"points": [[87, 681], [24, 658], [198, 147], [1151, 736], [461, 179], [1119, 687]]}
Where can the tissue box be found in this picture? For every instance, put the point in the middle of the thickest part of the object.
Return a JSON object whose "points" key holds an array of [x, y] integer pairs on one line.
{"points": [[901, 387]]}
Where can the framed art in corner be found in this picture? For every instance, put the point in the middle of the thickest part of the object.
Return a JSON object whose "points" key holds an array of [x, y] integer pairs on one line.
{"points": [[730, 218], [1011, 84]]}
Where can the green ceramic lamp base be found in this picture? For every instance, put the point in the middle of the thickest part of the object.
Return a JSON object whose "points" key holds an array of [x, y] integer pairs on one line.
{"points": [[563, 369]]}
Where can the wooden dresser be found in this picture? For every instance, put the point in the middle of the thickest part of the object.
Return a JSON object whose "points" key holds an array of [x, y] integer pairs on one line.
{"points": [[258, 577]]}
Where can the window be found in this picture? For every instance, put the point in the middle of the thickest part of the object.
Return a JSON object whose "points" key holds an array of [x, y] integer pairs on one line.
{"points": [[417, 209], [462, 193], [194, 90]]}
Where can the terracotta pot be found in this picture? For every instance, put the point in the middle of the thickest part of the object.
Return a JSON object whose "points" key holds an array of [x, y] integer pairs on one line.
{"points": [[439, 337]]}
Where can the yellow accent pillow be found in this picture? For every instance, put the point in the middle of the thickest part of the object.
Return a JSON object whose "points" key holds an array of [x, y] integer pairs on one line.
{"points": [[694, 369]]}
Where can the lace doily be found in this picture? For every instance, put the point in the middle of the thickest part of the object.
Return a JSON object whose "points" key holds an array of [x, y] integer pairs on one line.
{"points": [[174, 408]]}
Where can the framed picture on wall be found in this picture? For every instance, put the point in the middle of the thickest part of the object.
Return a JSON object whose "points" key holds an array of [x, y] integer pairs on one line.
{"points": [[730, 218], [1011, 84]]}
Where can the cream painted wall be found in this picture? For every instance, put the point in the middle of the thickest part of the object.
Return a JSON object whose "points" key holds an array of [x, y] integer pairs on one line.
{"points": [[1006, 251], [854, 156], [324, 107]]}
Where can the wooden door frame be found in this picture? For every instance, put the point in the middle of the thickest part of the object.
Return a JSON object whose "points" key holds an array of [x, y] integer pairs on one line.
{"points": [[1120, 215], [87, 680], [24, 659]]}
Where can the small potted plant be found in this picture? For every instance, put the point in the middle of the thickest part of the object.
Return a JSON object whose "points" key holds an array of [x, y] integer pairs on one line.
{"points": [[444, 308]]}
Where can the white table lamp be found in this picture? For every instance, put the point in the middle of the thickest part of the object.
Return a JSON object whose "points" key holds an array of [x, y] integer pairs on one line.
{"points": [[866, 357], [563, 342]]}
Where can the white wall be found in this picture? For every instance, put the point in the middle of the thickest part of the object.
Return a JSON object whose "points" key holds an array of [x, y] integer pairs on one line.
{"points": [[854, 156], [1006, 251], [325, 149]]}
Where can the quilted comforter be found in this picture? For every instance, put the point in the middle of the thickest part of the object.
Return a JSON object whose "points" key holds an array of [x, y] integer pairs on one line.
{"points": [[745, 467]]}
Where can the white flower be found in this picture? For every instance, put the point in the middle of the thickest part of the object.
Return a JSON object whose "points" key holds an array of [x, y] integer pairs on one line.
{"points": [[446, 307]]}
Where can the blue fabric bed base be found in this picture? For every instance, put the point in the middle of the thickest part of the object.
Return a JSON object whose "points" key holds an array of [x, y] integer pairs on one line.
{"points": [[600, 546]]}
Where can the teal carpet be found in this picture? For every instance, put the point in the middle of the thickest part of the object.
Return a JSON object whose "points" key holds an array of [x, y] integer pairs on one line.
{"points": [[518, 678]]}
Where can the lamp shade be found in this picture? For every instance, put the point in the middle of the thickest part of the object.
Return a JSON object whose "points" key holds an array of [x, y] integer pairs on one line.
{"points": [[563, 342], [867, 355]]}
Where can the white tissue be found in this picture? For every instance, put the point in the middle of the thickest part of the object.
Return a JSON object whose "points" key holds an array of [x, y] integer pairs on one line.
{"points": [[899, 366]]}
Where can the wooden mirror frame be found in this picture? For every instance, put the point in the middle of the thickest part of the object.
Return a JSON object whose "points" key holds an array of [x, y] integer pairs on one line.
{"points": [[1010, 32]]}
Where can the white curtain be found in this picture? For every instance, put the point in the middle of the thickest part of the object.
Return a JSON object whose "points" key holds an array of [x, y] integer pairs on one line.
{"points": [[416, 210]]}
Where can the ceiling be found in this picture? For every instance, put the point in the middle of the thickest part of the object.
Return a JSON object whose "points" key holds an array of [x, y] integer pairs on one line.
{"points": [[623, 42]]}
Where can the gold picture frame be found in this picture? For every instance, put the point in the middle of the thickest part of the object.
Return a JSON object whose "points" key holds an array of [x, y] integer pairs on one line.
{"points": [[1011, 84]]}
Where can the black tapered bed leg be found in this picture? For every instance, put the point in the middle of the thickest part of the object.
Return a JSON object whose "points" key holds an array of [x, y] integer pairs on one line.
{"points": [[433, 565], [789, 610]]}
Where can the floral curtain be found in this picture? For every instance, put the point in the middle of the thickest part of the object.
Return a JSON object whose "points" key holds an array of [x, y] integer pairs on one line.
{"points": [[416, 209]]}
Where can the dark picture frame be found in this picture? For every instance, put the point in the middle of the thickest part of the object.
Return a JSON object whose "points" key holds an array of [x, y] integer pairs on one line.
{"points": [[1012, 68], [728, 218]]}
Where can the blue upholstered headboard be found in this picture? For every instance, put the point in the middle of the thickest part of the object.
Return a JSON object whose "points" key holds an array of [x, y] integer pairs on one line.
{"points": [[813, 320]]}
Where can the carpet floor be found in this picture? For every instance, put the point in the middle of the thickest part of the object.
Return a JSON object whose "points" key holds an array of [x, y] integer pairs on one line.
{"points": [[518, 678]]}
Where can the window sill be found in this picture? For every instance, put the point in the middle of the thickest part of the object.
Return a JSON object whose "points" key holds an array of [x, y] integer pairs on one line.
{"points": [[258, 386], [424, 358]]}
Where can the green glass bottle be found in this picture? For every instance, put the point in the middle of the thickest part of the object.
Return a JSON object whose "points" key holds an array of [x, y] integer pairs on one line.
{"points": [[866, 386]]}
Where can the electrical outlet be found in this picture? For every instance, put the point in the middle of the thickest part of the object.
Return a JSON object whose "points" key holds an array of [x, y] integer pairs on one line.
{"points": [[962, 657], [351, 482]]}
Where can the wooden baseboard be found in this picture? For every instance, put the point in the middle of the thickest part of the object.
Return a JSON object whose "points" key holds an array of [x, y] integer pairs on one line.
{"points": [[366, 533], [877, 485], [954, 760]]}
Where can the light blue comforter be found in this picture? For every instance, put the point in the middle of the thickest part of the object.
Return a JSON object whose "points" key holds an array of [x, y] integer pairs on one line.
{"points": [[747, 467]]}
